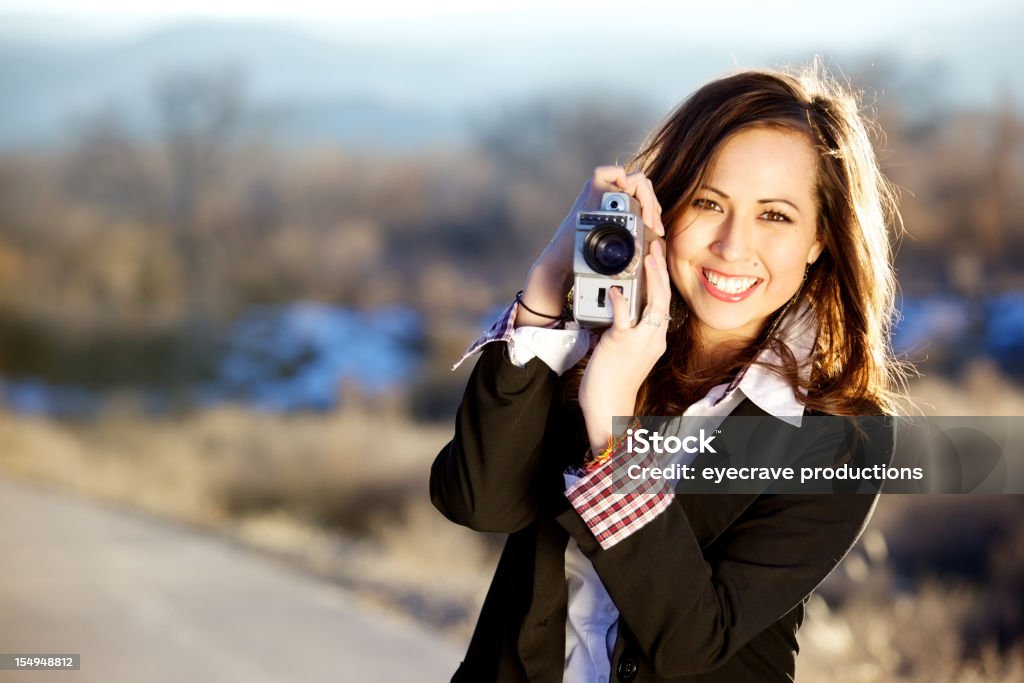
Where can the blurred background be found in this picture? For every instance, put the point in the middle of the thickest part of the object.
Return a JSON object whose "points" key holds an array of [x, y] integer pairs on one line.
{"points": [[241, 246]]}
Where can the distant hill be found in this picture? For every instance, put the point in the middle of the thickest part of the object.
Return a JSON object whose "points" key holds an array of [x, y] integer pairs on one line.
{"points": [[300, 87]]}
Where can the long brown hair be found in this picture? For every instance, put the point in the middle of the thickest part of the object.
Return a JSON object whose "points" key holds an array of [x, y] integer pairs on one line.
{"points": [[851, 286]]}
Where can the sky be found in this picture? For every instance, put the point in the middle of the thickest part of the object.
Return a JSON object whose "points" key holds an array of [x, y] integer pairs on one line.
{"points": [[453, 56], [438, 21]]}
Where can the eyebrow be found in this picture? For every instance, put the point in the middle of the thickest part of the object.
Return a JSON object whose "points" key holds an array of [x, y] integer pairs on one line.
{"points": [[759, 201]]}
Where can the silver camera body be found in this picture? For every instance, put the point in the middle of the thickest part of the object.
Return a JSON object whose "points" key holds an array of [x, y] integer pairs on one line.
{"points": [[609, 252]]}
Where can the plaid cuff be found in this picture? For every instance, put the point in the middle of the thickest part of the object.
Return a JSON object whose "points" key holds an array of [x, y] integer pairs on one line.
{"points": [[614, 505], [501, 330]]}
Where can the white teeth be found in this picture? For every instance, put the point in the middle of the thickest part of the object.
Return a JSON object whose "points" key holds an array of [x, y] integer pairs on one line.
{"points": [[730, 285]]}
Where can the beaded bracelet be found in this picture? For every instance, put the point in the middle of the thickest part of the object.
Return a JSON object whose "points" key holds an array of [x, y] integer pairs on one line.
{"points": [[593, 461]]}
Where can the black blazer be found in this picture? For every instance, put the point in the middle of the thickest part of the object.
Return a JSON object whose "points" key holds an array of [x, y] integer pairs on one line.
{"points": [[713, 589]]}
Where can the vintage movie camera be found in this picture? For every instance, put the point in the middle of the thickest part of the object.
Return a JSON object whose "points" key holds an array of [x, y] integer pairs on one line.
{"points": [[610, 247]]}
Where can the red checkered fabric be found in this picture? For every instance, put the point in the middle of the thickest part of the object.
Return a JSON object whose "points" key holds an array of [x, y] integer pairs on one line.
{"points": [[613, 503]]}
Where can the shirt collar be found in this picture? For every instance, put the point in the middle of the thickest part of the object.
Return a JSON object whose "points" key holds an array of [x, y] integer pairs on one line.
{"points": [[798, 330]]}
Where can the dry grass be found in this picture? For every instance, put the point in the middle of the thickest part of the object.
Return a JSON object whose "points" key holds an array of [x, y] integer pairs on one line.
{"points": [[912, 638], [343, 470], [345, 494], [984, 390]]}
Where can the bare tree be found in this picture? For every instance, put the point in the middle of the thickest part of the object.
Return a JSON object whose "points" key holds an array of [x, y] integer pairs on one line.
{"points": [[108, 166], [200, 115], [546, 148]]}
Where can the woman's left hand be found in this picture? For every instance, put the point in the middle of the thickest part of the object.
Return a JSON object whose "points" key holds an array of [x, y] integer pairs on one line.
{"points": [[625, 354]]}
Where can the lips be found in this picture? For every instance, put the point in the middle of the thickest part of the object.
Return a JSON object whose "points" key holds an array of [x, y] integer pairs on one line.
{"points": [[727, 288]]}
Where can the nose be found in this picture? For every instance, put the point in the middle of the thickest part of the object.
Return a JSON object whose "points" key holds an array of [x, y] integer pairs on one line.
{"points": [[732, 240]]}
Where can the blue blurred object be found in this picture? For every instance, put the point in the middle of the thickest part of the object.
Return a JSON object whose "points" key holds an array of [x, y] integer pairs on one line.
{"points": [[280, 359], [929, 321], [957, 330], [297, 356], [1005, 332], [32, 397]]}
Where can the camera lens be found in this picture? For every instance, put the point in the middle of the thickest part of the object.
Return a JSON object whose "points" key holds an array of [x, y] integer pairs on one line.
{"points": [[608, 249]]}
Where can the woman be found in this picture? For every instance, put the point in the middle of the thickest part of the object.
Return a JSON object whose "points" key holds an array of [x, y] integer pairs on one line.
{"points": [[772, 295]]}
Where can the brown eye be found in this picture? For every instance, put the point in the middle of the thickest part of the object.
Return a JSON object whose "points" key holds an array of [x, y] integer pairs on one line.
{"points": [[704, 203], [776, 217]]}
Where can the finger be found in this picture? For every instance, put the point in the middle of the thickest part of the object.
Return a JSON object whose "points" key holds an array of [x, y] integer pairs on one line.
{"points": [[641, 187], [648, 198], [659, 291], [662, 255], [608, 178], [660, 227], [630, 182], [620, 309]]}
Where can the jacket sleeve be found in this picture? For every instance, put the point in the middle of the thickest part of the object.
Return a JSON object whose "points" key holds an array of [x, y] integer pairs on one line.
{"points": [[690, 609], [485, 478]]}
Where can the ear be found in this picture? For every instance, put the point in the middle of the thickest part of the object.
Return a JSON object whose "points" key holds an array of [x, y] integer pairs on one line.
{"points": [[815, 251]]}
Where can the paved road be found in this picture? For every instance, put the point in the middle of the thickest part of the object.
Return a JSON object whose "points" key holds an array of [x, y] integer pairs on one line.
{"points": [[147, 601]]}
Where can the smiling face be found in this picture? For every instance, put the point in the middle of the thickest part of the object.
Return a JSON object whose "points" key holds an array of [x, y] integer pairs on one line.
{"points": [[739, 251]]}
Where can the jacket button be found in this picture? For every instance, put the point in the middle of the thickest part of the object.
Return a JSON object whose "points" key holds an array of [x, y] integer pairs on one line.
{"points": [[627, 669]]}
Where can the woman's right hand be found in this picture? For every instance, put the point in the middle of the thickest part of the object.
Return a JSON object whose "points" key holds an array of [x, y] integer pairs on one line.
{"points": [[552, 273]]}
